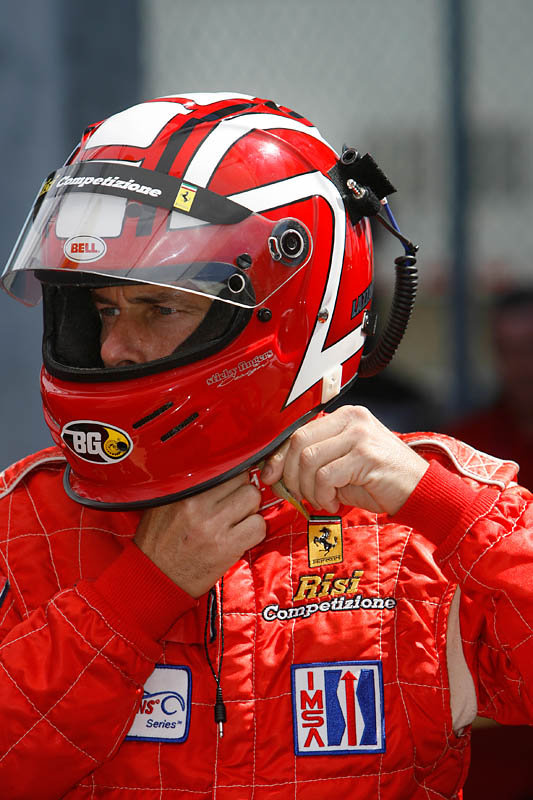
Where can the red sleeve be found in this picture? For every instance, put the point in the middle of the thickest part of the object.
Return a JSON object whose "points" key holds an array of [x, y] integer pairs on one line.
{"points": [[443, 506], [484, 543], [138, 598], [71, 673]]}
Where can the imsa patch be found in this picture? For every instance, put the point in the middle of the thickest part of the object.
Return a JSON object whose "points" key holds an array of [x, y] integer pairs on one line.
{"points": [[324, 541], [338, 708], [165, 711]]}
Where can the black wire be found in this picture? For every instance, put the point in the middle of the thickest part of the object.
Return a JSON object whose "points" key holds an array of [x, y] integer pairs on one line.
{"points": [[410, 248], [220, 709]]}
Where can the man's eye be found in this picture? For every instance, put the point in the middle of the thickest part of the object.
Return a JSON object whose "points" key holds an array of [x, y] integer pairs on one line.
{"points": [[165, 310], [108, 311]]}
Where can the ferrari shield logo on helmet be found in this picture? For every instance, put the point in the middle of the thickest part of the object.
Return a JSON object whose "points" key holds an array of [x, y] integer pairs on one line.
{"points": [[96, 442], [185, 197]]}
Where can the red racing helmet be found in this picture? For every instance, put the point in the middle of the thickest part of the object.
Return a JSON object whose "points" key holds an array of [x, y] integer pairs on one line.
{"points": [[223, 195]]}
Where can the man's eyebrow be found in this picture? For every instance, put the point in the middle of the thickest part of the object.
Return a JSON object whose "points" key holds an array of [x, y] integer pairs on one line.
{"points": [[99, 298], [153, 299]]}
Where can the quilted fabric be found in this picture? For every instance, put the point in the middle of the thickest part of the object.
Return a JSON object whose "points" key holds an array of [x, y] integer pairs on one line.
{"points": [[86, 617]]}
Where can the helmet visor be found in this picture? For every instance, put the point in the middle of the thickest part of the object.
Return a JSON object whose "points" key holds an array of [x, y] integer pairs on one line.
{"points": [[125, 223]]}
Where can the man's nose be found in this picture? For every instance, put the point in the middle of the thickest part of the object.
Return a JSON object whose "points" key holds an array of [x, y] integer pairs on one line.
{"points": [[122, 343]]}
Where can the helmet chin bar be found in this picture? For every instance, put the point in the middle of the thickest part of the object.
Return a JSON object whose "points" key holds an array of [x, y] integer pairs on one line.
{"points": [[363, 187]]}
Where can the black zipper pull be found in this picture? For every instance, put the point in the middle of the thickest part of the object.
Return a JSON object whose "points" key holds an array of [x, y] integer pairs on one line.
{"points": [[212, 613]]}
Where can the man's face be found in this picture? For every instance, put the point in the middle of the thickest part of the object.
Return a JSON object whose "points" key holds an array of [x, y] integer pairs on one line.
{"points": [[141, 323]]}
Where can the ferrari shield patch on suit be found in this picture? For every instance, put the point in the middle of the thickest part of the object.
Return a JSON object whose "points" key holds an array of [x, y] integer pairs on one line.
{"points": [[165, 710], [338, 708], [324, 541]]}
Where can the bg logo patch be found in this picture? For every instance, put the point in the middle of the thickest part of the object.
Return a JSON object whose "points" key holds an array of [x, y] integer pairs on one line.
{"points": [[165, 711], [324, 541], [96, 442], [338, 708]]}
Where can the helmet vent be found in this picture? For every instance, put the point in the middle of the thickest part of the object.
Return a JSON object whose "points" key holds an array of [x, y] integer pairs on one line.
{"points": [[153, 415], [179, 427], [290, 242]]}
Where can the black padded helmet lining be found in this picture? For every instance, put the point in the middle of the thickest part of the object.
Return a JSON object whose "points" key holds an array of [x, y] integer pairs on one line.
{"points": [[71, 340]]}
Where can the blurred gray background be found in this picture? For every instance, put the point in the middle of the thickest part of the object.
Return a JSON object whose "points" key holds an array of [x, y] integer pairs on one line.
{"points": [[438, 90]]}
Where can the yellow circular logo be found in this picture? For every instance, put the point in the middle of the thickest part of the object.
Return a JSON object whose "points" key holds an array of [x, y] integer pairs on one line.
{"points": [[116, 445]]}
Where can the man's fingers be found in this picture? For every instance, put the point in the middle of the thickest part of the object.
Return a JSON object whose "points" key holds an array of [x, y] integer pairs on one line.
{"points": [[328, 454], [219, 493], [309, 439], [243, 502], [248, 533], [332, 477], [196, 540], [273, 467], [318, 479]]}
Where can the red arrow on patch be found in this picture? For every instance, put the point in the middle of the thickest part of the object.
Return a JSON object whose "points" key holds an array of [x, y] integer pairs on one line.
{"points": [[349, 681]]}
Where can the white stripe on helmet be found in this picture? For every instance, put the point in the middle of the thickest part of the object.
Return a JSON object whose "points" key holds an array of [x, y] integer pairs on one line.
{"points": [[227, 132], [317, 361]]}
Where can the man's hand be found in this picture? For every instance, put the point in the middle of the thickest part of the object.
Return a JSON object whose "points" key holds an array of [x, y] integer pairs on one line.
{"points": [[347, 457], [196, 540]]}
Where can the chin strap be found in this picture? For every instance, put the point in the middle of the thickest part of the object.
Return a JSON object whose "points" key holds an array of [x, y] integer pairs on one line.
{"points": [[281, 490]]}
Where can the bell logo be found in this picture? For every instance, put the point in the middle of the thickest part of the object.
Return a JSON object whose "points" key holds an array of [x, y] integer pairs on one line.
{"points": [[96, 442], [84, 248]]}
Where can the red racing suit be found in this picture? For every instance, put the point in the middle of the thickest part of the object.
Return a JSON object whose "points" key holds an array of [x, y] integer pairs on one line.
{"points": [[330, 637]]}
